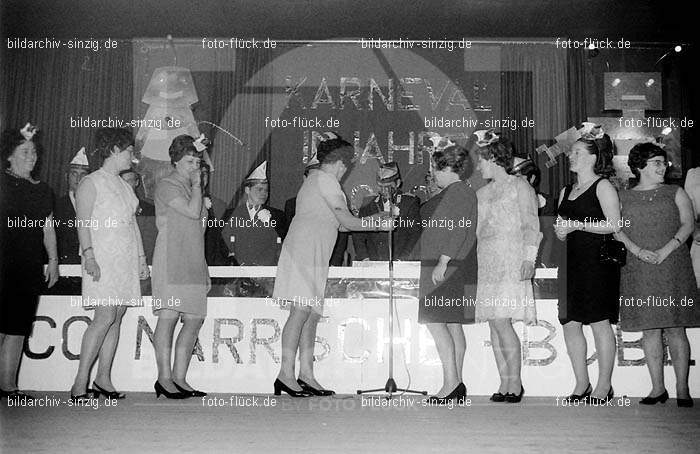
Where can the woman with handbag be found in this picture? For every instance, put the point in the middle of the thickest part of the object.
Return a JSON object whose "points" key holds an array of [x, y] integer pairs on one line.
{"points": [[589, 212], [659, 277]]}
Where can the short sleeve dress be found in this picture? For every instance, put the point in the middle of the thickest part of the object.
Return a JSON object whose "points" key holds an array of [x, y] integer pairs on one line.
{"points": [[588, 290], [180, 272], [114, 243], [508, 234], [24, 206], [656, 296], [302, 269], [449, 223]]}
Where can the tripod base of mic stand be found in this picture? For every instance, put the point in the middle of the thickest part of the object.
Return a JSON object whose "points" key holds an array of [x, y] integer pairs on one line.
{"points": [[391, 388]]}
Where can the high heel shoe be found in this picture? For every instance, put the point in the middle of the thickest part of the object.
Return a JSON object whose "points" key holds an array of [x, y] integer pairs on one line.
{"points": [[81, 397], [575, 398], [15, 393], [160, 390], [316, 392], [603, 401], [662, 398], [459, 393], [97, 390], [511, 398], [498, 397], [684, 403], [193, 393], [279, 387]]}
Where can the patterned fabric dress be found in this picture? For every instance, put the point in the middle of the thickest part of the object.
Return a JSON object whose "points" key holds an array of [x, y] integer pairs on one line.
{"points": [[114, 242], [656, 296], [508, 234]]}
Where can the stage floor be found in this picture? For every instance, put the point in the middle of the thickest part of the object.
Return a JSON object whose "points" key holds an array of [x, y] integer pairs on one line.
{"points": [[253, 423]]}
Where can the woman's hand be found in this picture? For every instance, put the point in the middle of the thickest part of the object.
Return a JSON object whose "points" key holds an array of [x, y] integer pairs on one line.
{"points": [[144, 272], [196, 178], [208, 285], [439, 273], [92, 268], [527, 270], [661, 254], [648, 256], [562, 228], [51, 273]]}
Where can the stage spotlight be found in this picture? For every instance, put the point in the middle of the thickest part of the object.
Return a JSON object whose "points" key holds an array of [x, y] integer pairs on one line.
{"points": [[615, 82], [678, 48], [666, 131], [649, 82]]}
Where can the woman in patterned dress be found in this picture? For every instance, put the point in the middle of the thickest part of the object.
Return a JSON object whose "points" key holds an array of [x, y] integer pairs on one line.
{"points": [[112, 257], [508, 237]]}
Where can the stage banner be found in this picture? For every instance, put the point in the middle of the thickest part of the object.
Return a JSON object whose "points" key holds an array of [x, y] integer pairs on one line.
{"points": [[239, 348]]}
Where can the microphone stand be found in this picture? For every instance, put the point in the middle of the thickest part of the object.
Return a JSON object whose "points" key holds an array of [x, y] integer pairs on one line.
{"points": [[390, 386]]}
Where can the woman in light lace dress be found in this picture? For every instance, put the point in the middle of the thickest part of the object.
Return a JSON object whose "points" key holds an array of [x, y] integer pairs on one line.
{"points": [[508, 236]]}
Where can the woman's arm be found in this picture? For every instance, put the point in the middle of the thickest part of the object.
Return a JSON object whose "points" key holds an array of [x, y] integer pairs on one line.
{"points": [[610, 203], [685, 210], [84, 203], [559, 230], [529, 228], [143, 264], [51, 273], [348, 221], [192, 208]]}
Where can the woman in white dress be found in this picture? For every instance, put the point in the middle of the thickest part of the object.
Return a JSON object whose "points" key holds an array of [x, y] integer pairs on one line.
{"points": [[508, 237], [302, 270], [112, 257]]}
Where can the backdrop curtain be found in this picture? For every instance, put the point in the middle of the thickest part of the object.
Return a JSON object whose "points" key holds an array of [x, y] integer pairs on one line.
{"points": [[49, 88]]}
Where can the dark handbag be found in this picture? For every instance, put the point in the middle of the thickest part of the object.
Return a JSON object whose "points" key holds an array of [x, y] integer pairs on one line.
{"points": [[613, 252]]}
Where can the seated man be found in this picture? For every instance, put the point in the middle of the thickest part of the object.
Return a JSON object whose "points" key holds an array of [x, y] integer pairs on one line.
{"points": [[254, 230], [375, 245], [64, 214]]}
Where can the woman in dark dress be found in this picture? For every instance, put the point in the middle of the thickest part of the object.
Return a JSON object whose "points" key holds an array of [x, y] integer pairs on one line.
{"points": [[29, 203], [449, 266], [589, 212], [658, 282]]}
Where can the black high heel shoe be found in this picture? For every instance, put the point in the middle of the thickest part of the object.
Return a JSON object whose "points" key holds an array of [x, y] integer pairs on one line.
{"points": [[498, 397], [279, 387], [511, 398], [97, 390], [15, 393], [81, 397], [160, 390], [193, 393], [316, 392], [575, 398], [603, 401], [684, 403], [662, 398], [459, 393]]}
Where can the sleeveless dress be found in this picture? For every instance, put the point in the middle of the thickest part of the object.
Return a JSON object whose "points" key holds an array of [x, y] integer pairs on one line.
{"points": [[180, 272], [22, 254], [656, 296], [302, 269], [508, 234], [114, 243], [588, 290]]}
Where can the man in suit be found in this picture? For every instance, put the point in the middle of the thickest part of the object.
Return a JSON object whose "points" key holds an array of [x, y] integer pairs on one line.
{"points": [[64, 213], [375, 245], [254, 230]]}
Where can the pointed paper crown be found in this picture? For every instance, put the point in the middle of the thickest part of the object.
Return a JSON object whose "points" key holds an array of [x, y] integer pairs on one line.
{"points": [[328, 136], [486, 137], [260, 173], [388, 173], [439, 141], [80, 159]]}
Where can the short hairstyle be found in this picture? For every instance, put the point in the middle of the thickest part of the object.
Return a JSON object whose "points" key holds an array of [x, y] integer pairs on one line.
{"points": [[603, 150], [252, 182], [181, 146], [640, 153], [308, 169], [10, 140], [456, 158], [105, 141], [333, 150], [501, 151]]}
